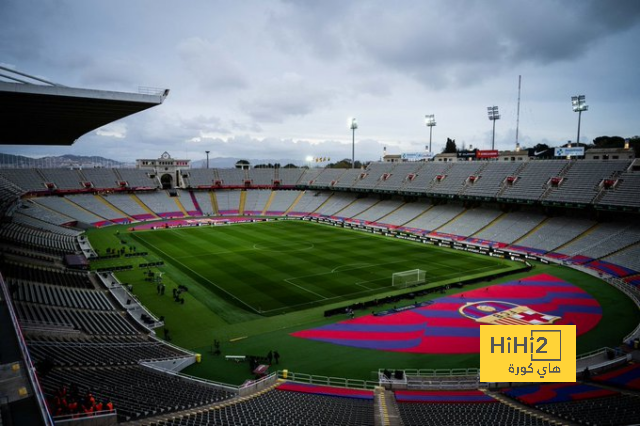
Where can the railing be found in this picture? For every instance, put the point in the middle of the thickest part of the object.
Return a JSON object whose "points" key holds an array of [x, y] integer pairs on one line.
{"points": [[211, 383], [440, 372], [25, 355], [327, 381], [88, 419], [154, 91]]}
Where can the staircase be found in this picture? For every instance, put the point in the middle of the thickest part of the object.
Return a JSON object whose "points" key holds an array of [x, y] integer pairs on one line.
{"points": [[195, 202], [268, 203], [243, 201], [180, 206], [114, 208], [385, 408], [298, 198], [144, 207]]}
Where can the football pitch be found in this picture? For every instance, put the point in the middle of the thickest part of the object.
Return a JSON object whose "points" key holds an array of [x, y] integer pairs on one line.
{"points": [[282, 266]]}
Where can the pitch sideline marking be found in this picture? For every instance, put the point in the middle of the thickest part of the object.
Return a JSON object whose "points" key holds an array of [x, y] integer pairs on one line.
{"points": [[210, 282], [288, 280]]}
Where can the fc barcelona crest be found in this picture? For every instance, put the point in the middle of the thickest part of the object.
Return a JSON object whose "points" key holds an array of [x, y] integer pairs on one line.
{"points": [[504, 313]]}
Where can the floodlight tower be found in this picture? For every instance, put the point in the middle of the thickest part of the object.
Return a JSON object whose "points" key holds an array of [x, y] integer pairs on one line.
{"points": [[430, 121], [207, 152], [579, 105], [493, 116], [354, 126]]}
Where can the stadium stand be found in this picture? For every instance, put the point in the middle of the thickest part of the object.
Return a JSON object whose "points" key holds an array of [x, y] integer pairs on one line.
{"points": [[379, 210], [288, 177], [337, 202], [93, 204], [326, 178], [92, 342], [624, 192], [405, 214], [62, 178], [100, 351], [532, 180], [425, 177], [136, 178], [282, 202], [470, 222], [24, 219], [20, 271], [398, 176], [136, 391], [511, 226], [554, 232], [309, 176], [284, 407], [46, 241], [490, 179], [581, 182], [628, 257], [204, 202], [100, 178], [27, 179], [36, 211], [310, 202], [358, 206], [261, 176], [418, 408], [228, 202], [126, 204], [349, 178], [231, 177], [373, 175], [67, 208], [435, 217], [188, 202], [454, 180], [256, 201], [580, 403], [200, 177], [602, 240], [160, 203]]}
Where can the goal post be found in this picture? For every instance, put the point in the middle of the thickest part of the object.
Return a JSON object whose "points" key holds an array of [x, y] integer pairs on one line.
{"points": [[408, 278]]}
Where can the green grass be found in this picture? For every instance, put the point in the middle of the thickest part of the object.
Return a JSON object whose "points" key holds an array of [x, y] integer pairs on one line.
{"points": [[276, 267], [209, 313]]}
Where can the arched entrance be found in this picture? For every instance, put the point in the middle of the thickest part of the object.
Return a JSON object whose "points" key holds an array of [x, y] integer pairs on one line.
{"points": [[167, 181]]}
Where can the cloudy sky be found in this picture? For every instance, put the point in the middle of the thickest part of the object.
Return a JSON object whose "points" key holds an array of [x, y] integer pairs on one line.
{"points": [[271, 79]]}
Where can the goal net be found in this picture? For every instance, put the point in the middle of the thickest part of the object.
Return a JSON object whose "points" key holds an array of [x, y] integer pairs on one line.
{"points": [[408, 278]]}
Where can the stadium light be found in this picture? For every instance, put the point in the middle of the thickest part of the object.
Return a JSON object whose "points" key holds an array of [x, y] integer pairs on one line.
{"points": [[430, 121], [207, 152], [493, 116], [579, 105], [354, 126]]}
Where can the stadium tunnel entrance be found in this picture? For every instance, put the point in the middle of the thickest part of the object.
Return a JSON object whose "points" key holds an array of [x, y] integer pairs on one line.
{"points": [[167, 181]]}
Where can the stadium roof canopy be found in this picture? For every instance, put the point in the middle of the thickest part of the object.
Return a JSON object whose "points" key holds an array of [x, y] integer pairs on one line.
{"points": [[37, 112]]}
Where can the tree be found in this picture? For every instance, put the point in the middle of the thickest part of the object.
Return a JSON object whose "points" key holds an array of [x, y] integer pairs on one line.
{"points": [[290, 166], [450, 147], [609, 142]]}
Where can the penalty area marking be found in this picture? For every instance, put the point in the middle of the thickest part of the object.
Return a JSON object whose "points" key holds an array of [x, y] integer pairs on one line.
{"points": [[352, 266], [288, 281]]}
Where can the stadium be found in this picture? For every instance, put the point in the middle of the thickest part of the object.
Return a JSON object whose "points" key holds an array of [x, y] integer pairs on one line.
{"points": [[168, 295], [171, 295]]}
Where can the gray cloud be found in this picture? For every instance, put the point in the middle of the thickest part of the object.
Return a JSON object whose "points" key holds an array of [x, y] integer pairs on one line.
{"points": [[210, 65], [288, 96]]}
